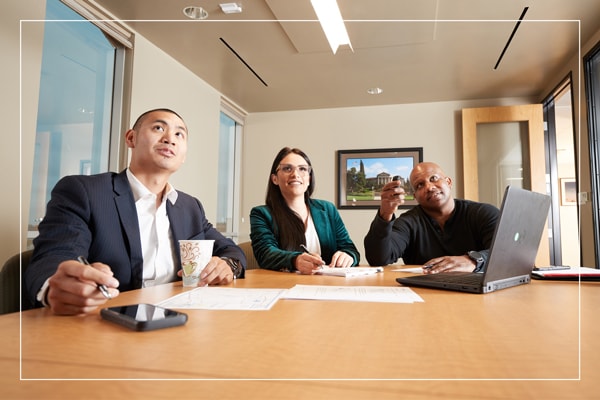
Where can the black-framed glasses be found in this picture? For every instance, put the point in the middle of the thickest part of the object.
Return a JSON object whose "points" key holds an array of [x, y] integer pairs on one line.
{"points": [[303, 170]]}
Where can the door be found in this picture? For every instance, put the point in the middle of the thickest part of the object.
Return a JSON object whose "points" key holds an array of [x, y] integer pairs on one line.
{"points": [[501, 146]]}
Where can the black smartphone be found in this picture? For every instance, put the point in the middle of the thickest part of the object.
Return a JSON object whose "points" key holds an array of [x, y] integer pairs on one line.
{"points": [[396, 178], [143, 317]]}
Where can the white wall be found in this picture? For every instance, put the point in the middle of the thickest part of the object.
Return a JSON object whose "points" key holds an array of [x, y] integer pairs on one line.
{"points": [[159, 81]]}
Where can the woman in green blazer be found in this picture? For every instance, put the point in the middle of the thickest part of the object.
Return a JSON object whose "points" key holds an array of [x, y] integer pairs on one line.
{"points": [[291, 220]]}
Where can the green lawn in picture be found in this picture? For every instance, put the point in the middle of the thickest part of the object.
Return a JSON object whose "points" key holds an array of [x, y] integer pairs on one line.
{"points": [[369, 197], [359, 196]]}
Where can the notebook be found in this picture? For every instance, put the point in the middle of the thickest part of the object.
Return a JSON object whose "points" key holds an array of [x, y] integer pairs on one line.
{"points": [[514, 247], [570, 274]]}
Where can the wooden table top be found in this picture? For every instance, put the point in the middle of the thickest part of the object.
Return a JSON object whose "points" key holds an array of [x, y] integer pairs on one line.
{"points": [[532, 341]]}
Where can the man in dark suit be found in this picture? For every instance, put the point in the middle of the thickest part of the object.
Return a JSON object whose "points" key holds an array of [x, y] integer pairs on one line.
{"points": [[126, 224]]}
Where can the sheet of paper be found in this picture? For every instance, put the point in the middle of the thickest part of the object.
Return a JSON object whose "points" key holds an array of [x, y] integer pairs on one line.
{"points": [[413, 270], [215, 298], [383, 294], [348, 272]]}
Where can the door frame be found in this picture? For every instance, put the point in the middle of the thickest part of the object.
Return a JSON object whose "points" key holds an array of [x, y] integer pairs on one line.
{"points": [[533, 115]]}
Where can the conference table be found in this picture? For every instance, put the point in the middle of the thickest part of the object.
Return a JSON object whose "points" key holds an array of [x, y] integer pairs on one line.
{"points": [[535, 341]]}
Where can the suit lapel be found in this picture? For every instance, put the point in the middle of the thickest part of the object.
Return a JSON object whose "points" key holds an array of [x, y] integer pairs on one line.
{"points": [[177, 214], [318, 215], [129, 223]]}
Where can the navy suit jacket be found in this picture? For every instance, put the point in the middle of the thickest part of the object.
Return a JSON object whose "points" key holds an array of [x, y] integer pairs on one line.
{"points": [[95, 216]]}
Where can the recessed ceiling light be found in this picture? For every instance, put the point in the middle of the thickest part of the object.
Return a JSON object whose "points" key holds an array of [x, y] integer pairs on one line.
{"points": [[375, 90], [231, 8], [194, 12]]}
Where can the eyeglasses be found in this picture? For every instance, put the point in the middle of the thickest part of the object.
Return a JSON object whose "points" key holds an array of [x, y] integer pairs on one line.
{"points": [[303, 170]]}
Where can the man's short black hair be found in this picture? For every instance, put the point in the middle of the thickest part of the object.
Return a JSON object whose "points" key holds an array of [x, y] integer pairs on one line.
{"points": [[141, 117]]}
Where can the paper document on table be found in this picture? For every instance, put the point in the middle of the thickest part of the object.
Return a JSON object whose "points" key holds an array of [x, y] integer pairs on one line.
{"points": [[348, 272], [213, 298], [413, 270], [382, 294]]}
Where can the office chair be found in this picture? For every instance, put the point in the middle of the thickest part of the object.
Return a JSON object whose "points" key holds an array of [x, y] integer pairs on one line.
{"points": [[251, 262], [10, 283]]}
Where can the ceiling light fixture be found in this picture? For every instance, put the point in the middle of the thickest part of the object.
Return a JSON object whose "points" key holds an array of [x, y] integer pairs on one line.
{"points": [[375, 90], [194, 12], [332, 23], [231, 8]]}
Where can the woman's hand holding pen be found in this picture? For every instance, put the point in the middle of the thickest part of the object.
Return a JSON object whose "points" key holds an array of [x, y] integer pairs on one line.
{"points": [[307, 262], [74, 288]]}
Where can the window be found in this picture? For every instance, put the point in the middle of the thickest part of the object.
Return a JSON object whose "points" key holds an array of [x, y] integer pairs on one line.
{"points": [[563, 219], [592, 82], [75, 119], [228, 198]]}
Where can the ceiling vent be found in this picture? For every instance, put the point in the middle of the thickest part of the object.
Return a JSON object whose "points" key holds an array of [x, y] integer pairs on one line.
{"points": [[231, 8]]}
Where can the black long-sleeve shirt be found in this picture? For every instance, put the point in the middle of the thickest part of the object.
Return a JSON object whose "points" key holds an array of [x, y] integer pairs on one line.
{"points": [[417, 238]]}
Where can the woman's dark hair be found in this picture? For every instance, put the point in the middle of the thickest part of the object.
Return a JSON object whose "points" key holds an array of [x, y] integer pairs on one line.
{"points": [[288, 226]]}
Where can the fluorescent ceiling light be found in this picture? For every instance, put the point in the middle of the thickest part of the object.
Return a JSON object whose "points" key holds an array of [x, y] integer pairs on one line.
{"points": [[332, 23]]}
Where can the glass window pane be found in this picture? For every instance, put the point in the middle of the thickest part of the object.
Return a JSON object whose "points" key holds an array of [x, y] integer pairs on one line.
{"points": [[74, 111], [592, 78], [226, 177]]}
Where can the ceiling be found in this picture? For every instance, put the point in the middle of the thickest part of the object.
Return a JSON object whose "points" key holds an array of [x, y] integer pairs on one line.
{"points": [[274, 55]]}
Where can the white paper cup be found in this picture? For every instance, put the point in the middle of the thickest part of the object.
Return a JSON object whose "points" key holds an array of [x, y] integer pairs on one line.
{"points": [[195, 254]]}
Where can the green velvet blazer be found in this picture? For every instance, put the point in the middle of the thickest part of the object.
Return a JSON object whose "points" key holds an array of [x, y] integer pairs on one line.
{"points": [[330, 228]]}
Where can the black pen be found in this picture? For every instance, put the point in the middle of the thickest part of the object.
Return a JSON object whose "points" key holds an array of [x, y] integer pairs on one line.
{"points": [[103, 289], [431, 265], [305, 249]]}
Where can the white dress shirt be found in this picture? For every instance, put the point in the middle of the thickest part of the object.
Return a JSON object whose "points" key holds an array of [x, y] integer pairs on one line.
{"points": [[158, 249], [312, 239]]}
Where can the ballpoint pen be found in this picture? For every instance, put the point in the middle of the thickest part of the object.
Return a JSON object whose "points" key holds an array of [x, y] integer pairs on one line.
{"points": [[305, 249], [103, 289]]}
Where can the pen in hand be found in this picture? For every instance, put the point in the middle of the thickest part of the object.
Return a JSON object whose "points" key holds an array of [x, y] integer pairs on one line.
{"points": [[430, 265], [102, 288], [305, 249]]}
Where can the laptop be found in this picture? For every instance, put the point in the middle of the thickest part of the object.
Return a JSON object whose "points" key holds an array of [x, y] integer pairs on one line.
{"points": [[512, 254]]}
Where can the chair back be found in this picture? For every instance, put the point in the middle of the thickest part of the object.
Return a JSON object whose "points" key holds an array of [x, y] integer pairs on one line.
{"points": [[251, 262], [10, 283]]}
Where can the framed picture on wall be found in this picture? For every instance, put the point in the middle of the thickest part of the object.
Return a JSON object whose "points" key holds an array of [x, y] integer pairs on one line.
{"points": [[568, 192], [363, 173]]}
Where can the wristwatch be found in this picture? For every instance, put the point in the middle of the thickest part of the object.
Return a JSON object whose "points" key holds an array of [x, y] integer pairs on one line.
{"points": [[478, 258], [235, 266]]}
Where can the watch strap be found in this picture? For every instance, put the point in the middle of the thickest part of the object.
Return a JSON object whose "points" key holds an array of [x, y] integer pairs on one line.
{"points": [[478, 258], [235, 266]]}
